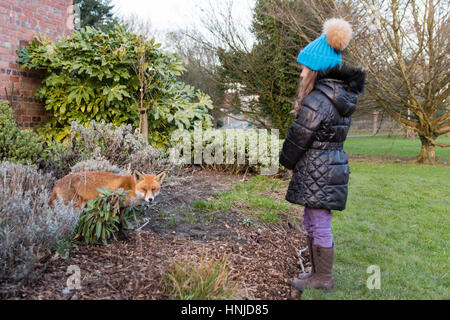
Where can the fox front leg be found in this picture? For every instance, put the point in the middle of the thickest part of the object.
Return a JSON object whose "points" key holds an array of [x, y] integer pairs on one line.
{"points": [[122, 232]]}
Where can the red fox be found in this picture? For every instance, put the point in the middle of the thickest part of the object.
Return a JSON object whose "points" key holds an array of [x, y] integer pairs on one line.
{"points": [[82, 186]]}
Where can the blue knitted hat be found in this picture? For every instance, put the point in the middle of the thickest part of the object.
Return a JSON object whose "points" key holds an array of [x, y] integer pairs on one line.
{"points": [[326, 51]]}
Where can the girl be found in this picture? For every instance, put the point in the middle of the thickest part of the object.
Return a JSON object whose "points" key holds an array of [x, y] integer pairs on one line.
{"points": [[313, 148]]}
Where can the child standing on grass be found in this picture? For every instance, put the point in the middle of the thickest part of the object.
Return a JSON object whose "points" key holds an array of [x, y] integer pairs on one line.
{"points": [[313, 148]]}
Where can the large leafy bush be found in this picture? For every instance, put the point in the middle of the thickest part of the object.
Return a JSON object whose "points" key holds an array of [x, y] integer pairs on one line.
{"points": [[17, 145], [93, 76]]}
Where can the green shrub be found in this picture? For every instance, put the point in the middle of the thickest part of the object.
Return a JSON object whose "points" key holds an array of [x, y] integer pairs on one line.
{"points": [[65, 247], [101, 218], [93, 76], [16, 145], [247, 153]]}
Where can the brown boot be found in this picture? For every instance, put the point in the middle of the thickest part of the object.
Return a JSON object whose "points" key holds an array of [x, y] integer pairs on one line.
{"points": [[323, 277], [301, 275]]}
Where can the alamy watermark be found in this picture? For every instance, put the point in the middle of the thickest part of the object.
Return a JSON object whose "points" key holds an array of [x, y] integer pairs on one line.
{"points": [[74, 280], [374, 281], [73, 17], [232, 146]]}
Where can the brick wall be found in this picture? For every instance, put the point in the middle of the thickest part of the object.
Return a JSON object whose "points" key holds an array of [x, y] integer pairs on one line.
{"points": [[20, 21]]}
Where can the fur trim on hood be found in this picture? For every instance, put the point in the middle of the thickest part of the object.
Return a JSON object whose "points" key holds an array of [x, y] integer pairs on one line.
{"points": [[353, 77]]}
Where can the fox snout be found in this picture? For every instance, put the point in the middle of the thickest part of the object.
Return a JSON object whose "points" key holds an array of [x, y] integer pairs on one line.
{"points": [[148, 185], [150, 197], [147, 197]]}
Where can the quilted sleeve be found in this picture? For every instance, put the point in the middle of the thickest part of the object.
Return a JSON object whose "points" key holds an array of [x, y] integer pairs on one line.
{"points": [[300, 135]]}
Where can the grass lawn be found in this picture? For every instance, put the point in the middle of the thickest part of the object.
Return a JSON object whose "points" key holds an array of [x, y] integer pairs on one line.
{"points": [[396, 218], [395, 146], [255, 200]]}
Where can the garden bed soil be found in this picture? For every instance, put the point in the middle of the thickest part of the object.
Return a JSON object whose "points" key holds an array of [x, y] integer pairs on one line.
{"points": [[262, 260], [262, 265]]}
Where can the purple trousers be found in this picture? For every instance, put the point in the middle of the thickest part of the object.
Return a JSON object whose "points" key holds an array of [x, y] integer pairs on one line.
{"points": [[317, 223]]}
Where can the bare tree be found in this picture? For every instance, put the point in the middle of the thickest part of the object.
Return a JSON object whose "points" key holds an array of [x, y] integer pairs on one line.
{"points": [[138, 25], [406, 52], [143, 28], [200, 62], [219, 31]]}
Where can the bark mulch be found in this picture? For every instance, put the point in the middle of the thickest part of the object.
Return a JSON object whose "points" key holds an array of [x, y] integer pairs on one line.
{"points": [[262, 260], [263, 263]]}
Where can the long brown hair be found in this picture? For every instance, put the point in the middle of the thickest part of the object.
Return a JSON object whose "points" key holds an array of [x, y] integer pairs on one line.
{"points": [[306, 86]]}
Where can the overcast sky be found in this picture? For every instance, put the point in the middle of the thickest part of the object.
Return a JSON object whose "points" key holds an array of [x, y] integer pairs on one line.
{"points": [[174, 14]]}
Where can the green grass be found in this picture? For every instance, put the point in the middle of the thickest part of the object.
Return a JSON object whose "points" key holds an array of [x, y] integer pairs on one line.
{"points": [[395, 146], [397, 218], [205, 279], [253, 199]]}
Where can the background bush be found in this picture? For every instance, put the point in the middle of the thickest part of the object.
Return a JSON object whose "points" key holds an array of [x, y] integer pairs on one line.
{"points": [[97, 165], [92, 75], [29, 228], [17, 145], [247, 147], [105, 147]]}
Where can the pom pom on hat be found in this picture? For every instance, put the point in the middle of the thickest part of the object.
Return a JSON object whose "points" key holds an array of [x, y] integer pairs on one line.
{"points": [[326, 51], [338, 32]]}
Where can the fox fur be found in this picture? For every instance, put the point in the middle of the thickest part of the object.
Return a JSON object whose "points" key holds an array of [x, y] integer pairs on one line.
{"points": [[81, 187]]}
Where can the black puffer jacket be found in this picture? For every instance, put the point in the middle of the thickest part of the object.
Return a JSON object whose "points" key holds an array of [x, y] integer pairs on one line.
{"points": [[314, 145]]}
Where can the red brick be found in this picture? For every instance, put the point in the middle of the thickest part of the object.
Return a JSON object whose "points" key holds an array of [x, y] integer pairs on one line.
{"points": [[22, 20]]}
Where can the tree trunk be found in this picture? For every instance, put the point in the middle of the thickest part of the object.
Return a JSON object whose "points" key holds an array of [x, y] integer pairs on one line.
{"points": [[145, 126], [427, 153], [143, 118], [375, 123]]}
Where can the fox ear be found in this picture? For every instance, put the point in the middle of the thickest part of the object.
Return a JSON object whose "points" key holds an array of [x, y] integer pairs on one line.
{"points": [[160, 177], [137, 175]]}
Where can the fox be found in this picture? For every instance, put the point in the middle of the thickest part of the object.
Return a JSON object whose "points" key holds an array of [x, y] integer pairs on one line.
{"points": [[81, 187]]}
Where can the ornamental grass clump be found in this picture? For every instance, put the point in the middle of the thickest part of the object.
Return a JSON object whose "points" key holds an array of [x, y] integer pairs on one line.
{"points": [[201, 279]]}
